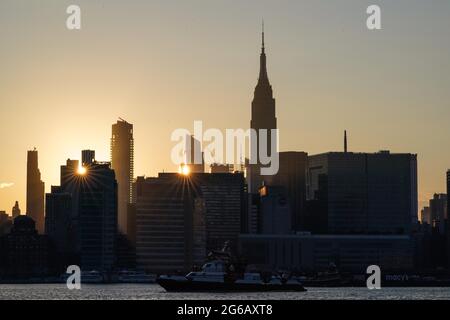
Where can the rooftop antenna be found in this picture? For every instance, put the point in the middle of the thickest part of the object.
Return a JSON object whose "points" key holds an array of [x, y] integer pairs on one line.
{"points": [[345, 141], [263, 35]]}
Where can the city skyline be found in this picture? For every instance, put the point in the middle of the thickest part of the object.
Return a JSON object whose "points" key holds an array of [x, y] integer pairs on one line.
{"points": [[410, 117]]}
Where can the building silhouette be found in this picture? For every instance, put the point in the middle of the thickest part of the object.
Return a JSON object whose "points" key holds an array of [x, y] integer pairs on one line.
{"points": [[438, 212], [97, 216], [35, 191], [165, 237], [275, 216], [87, 157], [425, 215], [81, 215], [194, 155], [358, 193], [292, 177], [448, 220], [122, 162], [262, 117], [60, 226], [5, 223], [221, 168], [349, 253], [448, 193], [15, 210], [23, 252], [180, 218]]}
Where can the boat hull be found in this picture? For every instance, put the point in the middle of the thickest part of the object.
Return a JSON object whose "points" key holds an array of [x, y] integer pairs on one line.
{"points": [[175, 285]]}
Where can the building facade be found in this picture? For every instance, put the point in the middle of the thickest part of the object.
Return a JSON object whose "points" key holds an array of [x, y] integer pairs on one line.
{"points": [[438, 211], [122, 162], [35, 191], [16, 210], [97, 206], [262, 118], [275, 211], [292, 176], [350, 253], [23, 252], [362, 192], [180, 218]]}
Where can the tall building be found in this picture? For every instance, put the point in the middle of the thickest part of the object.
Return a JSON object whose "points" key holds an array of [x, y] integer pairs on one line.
{"points": [[425, 216], [87, 157], [262, 117], [448, 219], [223, 195], [5, 223], [292, 176], [363, 192], [81, 215], [68, 175], [59, 226], [23, 252], [438, 211], [35, 191], [15, 210], [122, 162], [97, 217], [180, 218], [275, 215], [165, 238], [194, 155], [448, 194]]}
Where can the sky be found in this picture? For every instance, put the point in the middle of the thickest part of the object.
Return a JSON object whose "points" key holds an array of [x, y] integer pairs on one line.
{"points": [[161, 65]]}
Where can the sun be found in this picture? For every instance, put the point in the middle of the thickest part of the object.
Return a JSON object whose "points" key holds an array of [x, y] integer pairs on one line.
{"points": [[82, 171], [184, 170]]}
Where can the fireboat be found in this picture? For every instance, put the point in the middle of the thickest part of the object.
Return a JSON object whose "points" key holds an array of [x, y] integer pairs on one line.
{"points": [[222, 273]]}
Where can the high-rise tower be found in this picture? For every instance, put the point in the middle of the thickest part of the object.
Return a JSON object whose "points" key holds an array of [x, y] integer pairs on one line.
{"points": [[35, 191], [122, 162], [16, 210], [263, 117]]}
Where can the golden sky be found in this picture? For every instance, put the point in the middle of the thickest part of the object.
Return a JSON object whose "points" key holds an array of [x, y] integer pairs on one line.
{"points": [[163, 64]]}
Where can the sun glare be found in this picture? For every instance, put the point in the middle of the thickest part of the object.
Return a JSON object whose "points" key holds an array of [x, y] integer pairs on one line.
{"points": [[184, 170], [81, 171]]}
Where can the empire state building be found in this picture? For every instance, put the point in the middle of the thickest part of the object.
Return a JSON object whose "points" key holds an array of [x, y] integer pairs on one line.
{"points": [[263, 117]]}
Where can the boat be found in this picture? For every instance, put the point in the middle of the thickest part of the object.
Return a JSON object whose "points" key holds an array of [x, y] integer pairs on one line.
{"points": [[221, 274], [88, 277], [328, 278], [135, 277]]}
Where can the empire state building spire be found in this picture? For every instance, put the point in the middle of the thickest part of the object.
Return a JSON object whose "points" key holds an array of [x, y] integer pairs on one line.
{"points": [[263, 79], [262, 118]]}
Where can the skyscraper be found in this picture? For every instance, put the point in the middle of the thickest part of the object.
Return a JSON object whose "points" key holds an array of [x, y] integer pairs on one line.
{"points": [[122, 162], [292, 176], [263, 117], [194, 155], [438, 211], [15, 210], [87, 157], [180, 218], [448, 194], [357, 193], [165, 224], [97, 208], [448, 219], [35, 191], [59, 226]]}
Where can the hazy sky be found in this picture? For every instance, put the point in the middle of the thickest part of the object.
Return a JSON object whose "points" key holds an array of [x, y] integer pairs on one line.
{"points": [[163, 64]]}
